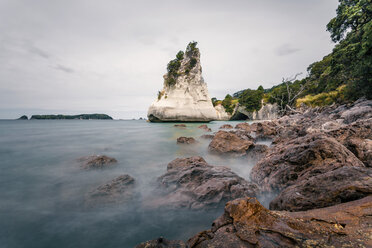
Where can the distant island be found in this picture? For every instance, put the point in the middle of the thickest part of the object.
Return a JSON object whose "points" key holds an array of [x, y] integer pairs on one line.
{"points": [[72, 117]]}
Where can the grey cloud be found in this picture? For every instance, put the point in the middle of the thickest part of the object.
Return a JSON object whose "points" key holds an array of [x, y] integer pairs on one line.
{"points": [[39, 52], [64, 68], [112, 55], [286, 49]]}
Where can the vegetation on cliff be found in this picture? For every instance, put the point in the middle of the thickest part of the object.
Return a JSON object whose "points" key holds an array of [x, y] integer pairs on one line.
{"points": [[174, 66], [342, 76]]}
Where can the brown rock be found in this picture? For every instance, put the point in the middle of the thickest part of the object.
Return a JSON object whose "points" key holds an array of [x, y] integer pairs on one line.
{"points": [[120, 189], [341, 185], [244, 126], [265, 130], [162, 243], [246, 223], [96, 162], [207, 136], [179, 125], [299, 159], [205, 128], [229, 143], [226, 126], [193, 183], [257, 152], [186, 140]]}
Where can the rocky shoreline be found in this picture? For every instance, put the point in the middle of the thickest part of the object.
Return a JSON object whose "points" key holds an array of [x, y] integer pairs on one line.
{"points": [[319, 165]]}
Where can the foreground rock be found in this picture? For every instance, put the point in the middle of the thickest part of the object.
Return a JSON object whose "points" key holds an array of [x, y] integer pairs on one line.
{"points": [[246, 223], [341, 185], [230, 143], [310, 173], [119, 190], [162, 243], [184, 96], [186, 140], [97, 162], [193, 183]]}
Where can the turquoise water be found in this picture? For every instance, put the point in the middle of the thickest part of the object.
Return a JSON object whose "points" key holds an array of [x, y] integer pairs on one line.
{"points": [[42, 187]]}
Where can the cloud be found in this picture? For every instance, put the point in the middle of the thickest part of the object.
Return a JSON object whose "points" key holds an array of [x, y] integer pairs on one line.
{"points": [[286, 49], [39, 52], [64, 68], [111, 55]]}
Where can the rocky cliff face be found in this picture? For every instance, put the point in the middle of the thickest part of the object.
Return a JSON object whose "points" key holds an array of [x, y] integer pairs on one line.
{"points": [[184, 96]]}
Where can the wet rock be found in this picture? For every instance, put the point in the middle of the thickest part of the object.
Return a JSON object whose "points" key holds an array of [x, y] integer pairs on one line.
{"points": [[229, 143], [266, 129], [357, 138], [193, 183], [299, 159], [207, 136], [162, 243], [341, 185], [257, 152], [226, 126], [246, 223], [97, 162], [186, 140], [119, 190], [179, 125], [244, 126], [205, 128], [361, 109]]}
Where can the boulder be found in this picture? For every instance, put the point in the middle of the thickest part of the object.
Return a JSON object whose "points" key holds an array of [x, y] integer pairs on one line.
{"points": [[361, 109], [184, 96], [265, 130], [205, 128], [162, 243], [257, 152], [97, 162], [120, 189], [207, 136], [246, 223], [229, 143], [244, 126], [186, 140], [341, 185], [193, 183], [226, 126]]}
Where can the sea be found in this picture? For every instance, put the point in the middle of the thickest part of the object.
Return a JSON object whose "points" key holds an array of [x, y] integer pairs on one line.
{"points": [[43, 188]]}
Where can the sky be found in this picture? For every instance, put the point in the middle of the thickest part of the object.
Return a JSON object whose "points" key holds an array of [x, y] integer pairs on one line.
{"points": [[90, 56]]}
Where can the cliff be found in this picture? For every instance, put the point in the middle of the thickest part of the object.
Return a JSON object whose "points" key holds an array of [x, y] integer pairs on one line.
{"points": [[184, 96]]}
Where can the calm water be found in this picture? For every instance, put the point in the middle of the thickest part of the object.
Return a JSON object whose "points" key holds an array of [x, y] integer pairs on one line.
{"points": [[42, 187]]}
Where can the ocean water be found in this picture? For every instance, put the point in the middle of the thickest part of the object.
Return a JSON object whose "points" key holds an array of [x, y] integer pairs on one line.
{"points": [[43, 188]]}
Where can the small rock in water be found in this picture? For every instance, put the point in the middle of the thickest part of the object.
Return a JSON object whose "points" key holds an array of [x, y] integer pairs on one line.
{"points": [[97, 162], [205, 128], [118, 190], [162, 243], [207, 136], [229, 143], [186, 140], [244, 126], [226, 126], [179, 125]]}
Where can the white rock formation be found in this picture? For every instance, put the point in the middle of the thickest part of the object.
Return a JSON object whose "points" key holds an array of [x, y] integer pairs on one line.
{"points": [[222, 115], [185, 95]]}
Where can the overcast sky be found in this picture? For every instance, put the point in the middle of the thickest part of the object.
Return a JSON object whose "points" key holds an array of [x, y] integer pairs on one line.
{"points": [[86, 56]]}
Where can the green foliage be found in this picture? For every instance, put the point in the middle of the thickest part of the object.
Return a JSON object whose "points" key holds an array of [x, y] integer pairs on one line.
{"points": [[252, 99], [228, 104], [214, 101], [160, 94], [323, 99]]}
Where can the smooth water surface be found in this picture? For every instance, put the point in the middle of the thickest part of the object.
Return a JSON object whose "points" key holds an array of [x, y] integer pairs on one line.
{"points": [[42, 187]]}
